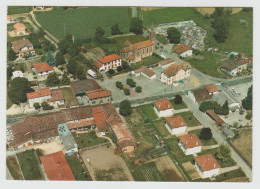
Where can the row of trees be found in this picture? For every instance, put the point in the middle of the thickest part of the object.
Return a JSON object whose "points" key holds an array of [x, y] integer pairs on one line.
{"points": [[213, 105], [247, 102], [53, 80]]}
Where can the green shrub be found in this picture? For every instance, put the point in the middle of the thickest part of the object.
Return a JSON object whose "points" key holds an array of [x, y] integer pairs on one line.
{"points": [[138, 89], [119, 85], [130, 82], [126, 91]]}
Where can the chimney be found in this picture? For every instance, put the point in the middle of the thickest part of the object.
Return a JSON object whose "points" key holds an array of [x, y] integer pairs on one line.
{"points": [[197, 142], [214, 165]]}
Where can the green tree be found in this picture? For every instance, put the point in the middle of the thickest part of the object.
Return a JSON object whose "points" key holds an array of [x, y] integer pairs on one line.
{"points": [[247, 102], [80, 73], [50, 59], [100, 32], [65, 80], [126, 91], [225, 108], [10, 70], [125, 108], [205, 134], [115, 30], [248, 115], [63, 46], [136, 26], [11, 56], [119, 85], [52, 80], [73, 51], [173, 35], [18, 88], [37, 106], [125, 65], [138, 89], [119, 68], [207, 105], [71, 66], [177, 99], [59, 59], [130, 82], [223, 152], [46, 106]]}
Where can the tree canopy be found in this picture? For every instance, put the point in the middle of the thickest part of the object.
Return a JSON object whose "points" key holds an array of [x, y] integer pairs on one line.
{"points": [[100, 32], [52, 80], [125, 108], [178, 99], [205, 134], [173, 35], [50, 59], [247, 102], [136, 26], [115, 30], [59, 59]]}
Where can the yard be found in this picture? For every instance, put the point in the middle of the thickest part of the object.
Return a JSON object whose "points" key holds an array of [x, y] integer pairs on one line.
{"points": [[29, 165], [210, 142], [82, 22], [78, 171], [243, 144], [233, 176], [87, 139], [182, 105], [13, 167], [70, 99], [147, 111], [160, 125], [189, 119], [146, 61]]}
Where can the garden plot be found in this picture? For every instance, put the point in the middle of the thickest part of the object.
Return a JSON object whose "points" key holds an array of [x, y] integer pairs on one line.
{"points": [[190, 168]]}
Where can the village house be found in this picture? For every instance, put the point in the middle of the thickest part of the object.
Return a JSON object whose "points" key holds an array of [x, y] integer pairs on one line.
{"points": [[183, 50], [133, 53], [235, 66], [42, 69], [143, 70], [99, 96], [19, 30], [80, 87], [176, 125], [176, 73], [207, 166], [190, 144], [56, 167], [23, 48], [42, 95], [57, 98], [163, 108], [212, 89], [166, 63], [17, 73], [100, 121], [106, 63]]}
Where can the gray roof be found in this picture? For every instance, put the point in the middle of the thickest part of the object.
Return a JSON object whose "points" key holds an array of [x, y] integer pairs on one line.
{"points": [[68, 142], [228, 132], [84, 85], [224, 95]]}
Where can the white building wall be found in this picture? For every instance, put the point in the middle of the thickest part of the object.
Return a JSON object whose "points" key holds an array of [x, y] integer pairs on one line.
{"points": [[175, 131], [39, 100], [207, 174], [45, 73], [163, 113], [186, 53]]}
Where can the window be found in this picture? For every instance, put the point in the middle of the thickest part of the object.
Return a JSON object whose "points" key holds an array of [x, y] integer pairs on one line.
{"points": [[101, 101], [93, 102]]}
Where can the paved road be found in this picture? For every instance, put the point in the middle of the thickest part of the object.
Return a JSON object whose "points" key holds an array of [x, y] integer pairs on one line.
{"points": [[218, 136]]}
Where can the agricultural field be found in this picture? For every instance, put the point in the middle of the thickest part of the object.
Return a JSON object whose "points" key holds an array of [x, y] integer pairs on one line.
{"points": [[13, 167], [243, 144], [150, 172], [70, 99], [29, 165], [209, 10], [189, 119], [233, 176], [18, 9], [212, 141], [82, 22], [87, 139]]}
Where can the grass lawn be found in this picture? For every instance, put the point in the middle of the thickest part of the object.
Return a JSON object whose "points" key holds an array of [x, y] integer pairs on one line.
{"points": [[189, 119], [78, 171], [173, 146], [14, 168], [146, 61], [29, 165], [160, 125], [70, 99], [161, 39], [148, 112], [8, 102], [10, 39], [229, 162], [18, 9], [229, 175], [150, 171], [87, 139], [212, 141], [83, 22], [182, 105], [207, 63]]}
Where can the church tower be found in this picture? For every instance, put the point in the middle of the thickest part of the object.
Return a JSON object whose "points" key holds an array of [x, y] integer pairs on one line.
{"points": [[152, 34]]}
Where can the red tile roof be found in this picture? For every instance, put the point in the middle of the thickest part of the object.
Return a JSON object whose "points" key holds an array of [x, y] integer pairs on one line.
{"points": [[17, 45], [42, 67], [19, 26], [211, 88], [39, 93], [109, 58], [181, 48], [143, 44], [81, 123], [207, 162], [163, 104], [98, 94], [176, 121], [56, 95], [98, 114], [173, 69], [98, 65], [57, 167], [215, 117], [190, 140]]}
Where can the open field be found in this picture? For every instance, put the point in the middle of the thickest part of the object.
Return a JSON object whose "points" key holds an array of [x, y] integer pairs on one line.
{"points": [[243, 144], [78, 171], [29, 165], [70, 99], [189, 119], [104, 164], [18, 9], [87, 139], [210, 10], [82, 22], [212, 141], [233, 176], [208, 63], [14, 168]]}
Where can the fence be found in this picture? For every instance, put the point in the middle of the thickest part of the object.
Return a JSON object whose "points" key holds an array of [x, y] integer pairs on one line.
{"points": [[95, 146]]}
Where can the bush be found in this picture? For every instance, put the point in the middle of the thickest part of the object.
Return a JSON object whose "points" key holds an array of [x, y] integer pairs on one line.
{"points": [[119, 68], [119, 85], [205, 134], [126, 91], [138, 89], [46, 106], [177, 99], [130, 82], [208, 105], [111, 71], [125, 108], [249, 115], [36, 106]]}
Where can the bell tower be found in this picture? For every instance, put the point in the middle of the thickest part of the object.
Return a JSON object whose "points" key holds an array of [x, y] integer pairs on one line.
{"points": [[152, 33]]}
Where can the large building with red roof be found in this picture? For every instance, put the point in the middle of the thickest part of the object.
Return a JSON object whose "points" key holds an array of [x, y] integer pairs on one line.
{"points": [[133, 53], [106, 63], [207, 166], [190, 144], [163, 108], [43, 68], [176, 125], [56, 167], [183, 50]]}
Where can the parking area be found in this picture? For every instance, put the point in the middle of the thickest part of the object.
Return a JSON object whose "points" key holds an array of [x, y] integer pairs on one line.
{"points": [[240, 90], [236, 118]]}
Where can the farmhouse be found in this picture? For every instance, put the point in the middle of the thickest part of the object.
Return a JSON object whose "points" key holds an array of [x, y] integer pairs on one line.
{"points": [[17, 73], [19, 30], [106, 63], [23, 48], [143, 70], [42, 95], [43, 69], [207, 166], [99, 96], [233, 67], [166, 63], [190, 144], [133, 53], [200, 95], [56, 167], [176, 125], [176, 73], [183, 50], [163, 108]]}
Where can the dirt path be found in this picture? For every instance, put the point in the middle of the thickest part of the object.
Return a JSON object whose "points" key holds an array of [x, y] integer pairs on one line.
{"points": [[210, 147], [109, 139]]}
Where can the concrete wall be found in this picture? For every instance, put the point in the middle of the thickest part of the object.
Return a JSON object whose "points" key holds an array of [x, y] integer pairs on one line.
{"points": [[163, 113]]}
